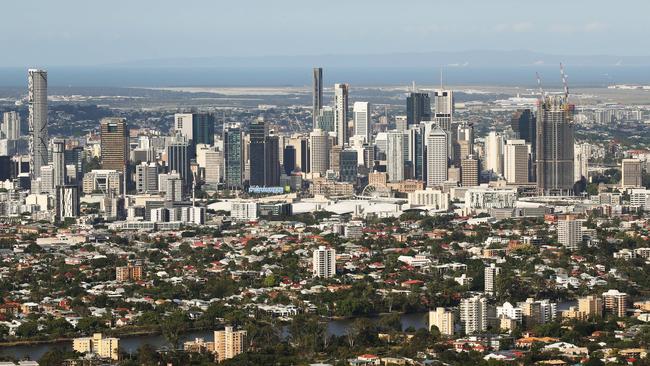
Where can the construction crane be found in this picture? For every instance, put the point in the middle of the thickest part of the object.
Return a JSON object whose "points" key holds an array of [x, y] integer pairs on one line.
{"points": [[539, 85], [564, 82]]}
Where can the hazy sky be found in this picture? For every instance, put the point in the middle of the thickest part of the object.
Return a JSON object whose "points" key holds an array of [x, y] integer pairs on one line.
{"points": [[87, 32]]}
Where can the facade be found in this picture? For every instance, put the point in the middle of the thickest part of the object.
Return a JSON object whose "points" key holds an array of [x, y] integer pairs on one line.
{"points": [[494, 153], [258, 132], [341, 113], [229, 343], [516, 161], [198, 128], [272, 161], [444, 104], [178, 159], [433, 198], [523, 124], [555, 139], [58, 161], [615, 303], [242, 210], [67, 202], [11, 125], [361, 115], [469, 171], [146, 177], [105, 181], [444, 320], [114, 144], [38, 132], [128, 273], [436, 152], [326, 119], [590, 306], [324, 262], [348, 165]]}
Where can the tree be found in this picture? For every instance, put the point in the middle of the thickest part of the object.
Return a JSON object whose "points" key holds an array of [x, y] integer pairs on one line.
{"points": [[173, 326]]}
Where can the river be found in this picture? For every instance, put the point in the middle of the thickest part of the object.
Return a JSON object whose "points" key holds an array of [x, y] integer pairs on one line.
{"points": [[130, 344]]}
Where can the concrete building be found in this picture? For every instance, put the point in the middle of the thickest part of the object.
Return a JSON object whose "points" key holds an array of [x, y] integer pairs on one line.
{"points": [[229, 343], [317, 94], [67, 202], [38, 126], [362, 122], [631, 173], [341, 113], [615, 303], [590, 306], [444, 320], [437, 143], [494, 153], [395, 156], [469, 171], [473, 314], [104, 347], [319, 151], [242, 210], [491, 275], [114, 144], [569, 233], [324, 262], [516, 161], [430, 198]]}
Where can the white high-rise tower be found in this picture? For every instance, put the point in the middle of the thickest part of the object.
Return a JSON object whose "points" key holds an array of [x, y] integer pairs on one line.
{"points": [[361, 114], [437, 143], [341, 115]]}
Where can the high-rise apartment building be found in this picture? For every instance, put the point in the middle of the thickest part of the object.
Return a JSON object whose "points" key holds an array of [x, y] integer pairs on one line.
{"points": [[67, 202], [569, 233], [590, 306], [114, 144], [38, 132], [555, 139], [58, 161], [473, 314], [319, 150], [469, 171], [11, 125], [361, 116], [229, 343], [491, 275], [317, 94], [444, 320], [324, 262], [615, 303], [341, 113]]}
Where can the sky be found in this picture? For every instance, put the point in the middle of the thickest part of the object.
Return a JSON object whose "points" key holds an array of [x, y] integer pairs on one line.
{"points": [[98, 32]]}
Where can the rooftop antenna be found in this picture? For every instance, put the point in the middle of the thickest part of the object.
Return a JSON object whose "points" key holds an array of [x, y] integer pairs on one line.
{"points": [[564, 82], [413, 86], [539, 85]]}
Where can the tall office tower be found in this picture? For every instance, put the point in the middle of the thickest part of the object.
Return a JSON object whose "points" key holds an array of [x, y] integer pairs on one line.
{"points": [[491, 274], [361, 115], [369, 153], [555, 140], [581, 154], [395, 156], [114, 144], [301, 144], [631, 173], [341, 113], [196, 127], [444, 101], [272, 161], [569, 232], [38, 141], [473, 314], [335, 156], [436, 153], [469, 171], [524, 125], [416, 151], [232, 155], [229, 343], [75, 156], [258, 132], [67, 202], [146, 177], [516, 161], [319, 151], [401, 123], [289, 159], [418, 108], [47, 179], [58, 161], [324, 262], [11, 125], [178, 159], [444, 320], [615, 302], [317, 95], [213, 168], [326, 119], [348, 165], [494, 153], [173, 187]]}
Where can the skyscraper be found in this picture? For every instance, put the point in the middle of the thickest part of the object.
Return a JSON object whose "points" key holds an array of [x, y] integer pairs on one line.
{"points": [[289, 159], [444, 101], [418, 108], [444, 320], [178, 159], [469, 171], [324, 262], [258, 132], [272, 160], [58, 161], [491, 274], [555, 140], [11, 125], [37, 99], [437, 142], [395, 156], [317, 95], [67, 202], [348, 165], [569, 233], [228, 343], [523, 124], [326, 119], [232, 155], [114, 144], [196, 127], [473, 314], [361, 114], [516, 161], [319, 151], [494, 153], [416, 151], [341, 113], [631, 173]]}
